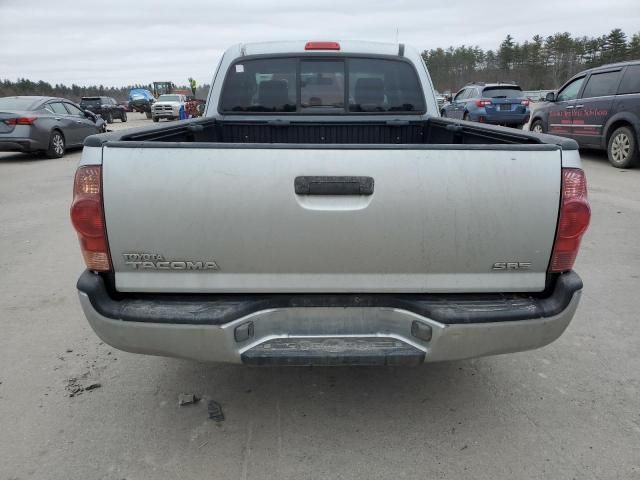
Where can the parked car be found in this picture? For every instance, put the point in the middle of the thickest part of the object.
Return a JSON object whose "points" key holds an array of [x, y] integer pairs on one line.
{"points": [[168, 106], [338, 221], [140, 100], [125, 105], [106, 107], [496, 103], [45, 124], [599, 108], [536, 95], [441, 99]]}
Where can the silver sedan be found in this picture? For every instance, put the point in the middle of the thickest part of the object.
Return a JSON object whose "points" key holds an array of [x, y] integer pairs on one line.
{"points": [[45, 124]]}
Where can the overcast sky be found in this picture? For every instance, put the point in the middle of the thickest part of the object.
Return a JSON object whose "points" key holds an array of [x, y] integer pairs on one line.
{"points": [[121, 42]]}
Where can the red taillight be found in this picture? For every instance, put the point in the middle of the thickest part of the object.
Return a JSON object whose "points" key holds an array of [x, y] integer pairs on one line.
{"points": [[525, 102], [483, 103], [575, 214], [322, 46], [20, 121], [87, 217]]}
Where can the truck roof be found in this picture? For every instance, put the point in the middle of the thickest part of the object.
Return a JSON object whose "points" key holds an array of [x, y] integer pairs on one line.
{"points": [[298, 46]]}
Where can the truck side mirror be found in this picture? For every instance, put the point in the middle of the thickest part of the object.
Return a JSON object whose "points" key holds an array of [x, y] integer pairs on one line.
{"points": [[551, 97]]}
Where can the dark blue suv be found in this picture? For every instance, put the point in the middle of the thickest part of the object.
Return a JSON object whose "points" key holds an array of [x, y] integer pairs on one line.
{"points": [[497, 103]]}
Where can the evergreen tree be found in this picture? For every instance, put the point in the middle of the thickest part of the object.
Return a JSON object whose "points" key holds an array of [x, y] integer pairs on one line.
{"points": [[536, 64]]}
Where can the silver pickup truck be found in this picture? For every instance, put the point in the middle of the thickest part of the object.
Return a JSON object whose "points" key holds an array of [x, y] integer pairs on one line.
{"points": [[322, 213]]}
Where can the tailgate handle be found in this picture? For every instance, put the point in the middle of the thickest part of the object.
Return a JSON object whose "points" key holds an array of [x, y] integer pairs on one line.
{"points": [[333, 185]]}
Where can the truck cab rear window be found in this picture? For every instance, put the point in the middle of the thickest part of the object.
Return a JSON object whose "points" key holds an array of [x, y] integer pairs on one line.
{"points": [[322, 84], [312, 85]]}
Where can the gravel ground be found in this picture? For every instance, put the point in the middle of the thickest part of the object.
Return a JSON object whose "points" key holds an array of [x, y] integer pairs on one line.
{"points": [[73, 408]]}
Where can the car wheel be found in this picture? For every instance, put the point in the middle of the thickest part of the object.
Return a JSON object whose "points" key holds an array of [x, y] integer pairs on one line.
{"points": [[124, 116], [148, 114], [537, 127], [443, 114], [56, 145], [109, 117], [465, 116], [156, 119], [622, 148]]}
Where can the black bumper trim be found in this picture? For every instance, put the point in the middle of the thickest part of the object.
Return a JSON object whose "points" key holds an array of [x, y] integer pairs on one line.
{"points": [[24, 146], [219, 309]]}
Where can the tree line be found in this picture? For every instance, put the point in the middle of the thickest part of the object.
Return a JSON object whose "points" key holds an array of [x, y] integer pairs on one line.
{"points": [[74, 92], [537, 64]]}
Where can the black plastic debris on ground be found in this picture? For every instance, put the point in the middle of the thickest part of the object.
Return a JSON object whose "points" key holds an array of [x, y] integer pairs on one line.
{"points": [[215, 411], [187, 399], [75, 388]]}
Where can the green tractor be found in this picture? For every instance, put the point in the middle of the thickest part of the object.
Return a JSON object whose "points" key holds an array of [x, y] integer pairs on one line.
{"points": [[162, 88]]}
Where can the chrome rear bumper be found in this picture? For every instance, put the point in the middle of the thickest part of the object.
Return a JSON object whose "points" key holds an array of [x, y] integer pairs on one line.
{"points": [[308, 335]]}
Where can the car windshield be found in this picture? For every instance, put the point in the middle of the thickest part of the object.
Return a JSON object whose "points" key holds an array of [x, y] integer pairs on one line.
{"points": [[502, 92], [19, 103], [169, 98]]}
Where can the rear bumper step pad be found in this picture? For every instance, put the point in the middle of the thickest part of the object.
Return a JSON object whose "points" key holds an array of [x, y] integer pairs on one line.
{"points": [[304, 351]]}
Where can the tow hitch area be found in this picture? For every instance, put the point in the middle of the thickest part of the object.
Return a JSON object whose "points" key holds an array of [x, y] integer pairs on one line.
{"points": [[328, 351]]}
